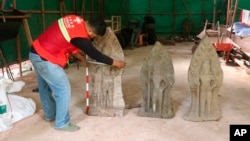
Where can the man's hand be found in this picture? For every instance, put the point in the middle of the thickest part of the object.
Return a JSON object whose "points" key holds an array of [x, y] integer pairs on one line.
{"points": [[119, 64], [79, 55]]}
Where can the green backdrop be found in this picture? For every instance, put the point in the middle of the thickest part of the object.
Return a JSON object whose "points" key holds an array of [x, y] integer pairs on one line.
{"points": [[168, 14]]}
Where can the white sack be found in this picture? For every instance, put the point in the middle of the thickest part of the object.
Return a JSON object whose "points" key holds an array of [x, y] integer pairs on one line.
{"points": [[17, 107]]}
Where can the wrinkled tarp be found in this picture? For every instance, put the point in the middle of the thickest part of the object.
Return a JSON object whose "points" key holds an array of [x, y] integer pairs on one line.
{"points": [[241, 29]]}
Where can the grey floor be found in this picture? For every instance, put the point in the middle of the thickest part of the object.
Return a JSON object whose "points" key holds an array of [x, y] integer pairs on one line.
{"points": [[234, 103]]}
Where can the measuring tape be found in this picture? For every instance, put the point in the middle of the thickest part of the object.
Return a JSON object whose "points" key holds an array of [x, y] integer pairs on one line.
{"points": [[87, 80], [87, 87]]}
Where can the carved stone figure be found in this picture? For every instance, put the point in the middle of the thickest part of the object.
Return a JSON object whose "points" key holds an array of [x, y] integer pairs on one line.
{"points": [[106, 96], [157, 79], [205, 78]]}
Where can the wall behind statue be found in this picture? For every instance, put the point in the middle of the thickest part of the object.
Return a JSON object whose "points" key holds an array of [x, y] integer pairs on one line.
{"points": [[168, 14], [43, 13]]}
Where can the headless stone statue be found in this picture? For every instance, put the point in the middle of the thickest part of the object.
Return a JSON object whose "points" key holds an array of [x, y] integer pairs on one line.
{"points": [[205, 78], [157, 79], [106, 96]]}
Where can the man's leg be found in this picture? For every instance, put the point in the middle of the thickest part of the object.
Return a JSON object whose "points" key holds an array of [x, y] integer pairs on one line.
{"points": [[58, 82], [47, 100]]}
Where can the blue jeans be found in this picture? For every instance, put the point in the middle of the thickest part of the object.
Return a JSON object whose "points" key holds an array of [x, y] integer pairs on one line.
{"points": [[54, 90]]}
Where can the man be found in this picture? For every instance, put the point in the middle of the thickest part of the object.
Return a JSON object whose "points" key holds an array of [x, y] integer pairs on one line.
{"points": [[49, 54]]}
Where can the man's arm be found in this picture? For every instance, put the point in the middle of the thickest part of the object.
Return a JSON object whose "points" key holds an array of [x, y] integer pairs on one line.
{"points": [[79, 55], [86, 46]]}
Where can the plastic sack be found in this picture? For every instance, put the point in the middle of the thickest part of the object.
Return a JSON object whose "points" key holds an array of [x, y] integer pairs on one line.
{"points": [[13, 107], [15, 87], [5, 114], [21, 107]]}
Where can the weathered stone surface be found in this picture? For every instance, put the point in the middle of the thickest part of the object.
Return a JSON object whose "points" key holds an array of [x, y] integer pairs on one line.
{"points": [[157, 79], [205, 78], [106, 96]]}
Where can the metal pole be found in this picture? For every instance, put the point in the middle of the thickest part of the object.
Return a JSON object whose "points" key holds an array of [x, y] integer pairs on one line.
{"points": [[228, 12], [87, 86], [19, 56], [174, 17], [203, 12], [43, 15], [74, 6], [214, 14], [150, 7], [232, 22], [83, 8], [14, 4], [189, 13], [2, 5]]}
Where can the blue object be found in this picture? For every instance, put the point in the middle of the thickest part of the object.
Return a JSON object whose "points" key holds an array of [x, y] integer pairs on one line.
{"points": [[241, 29]]}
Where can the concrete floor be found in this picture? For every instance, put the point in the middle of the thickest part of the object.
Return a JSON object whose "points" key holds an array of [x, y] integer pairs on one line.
{"points": [[234, 103]]}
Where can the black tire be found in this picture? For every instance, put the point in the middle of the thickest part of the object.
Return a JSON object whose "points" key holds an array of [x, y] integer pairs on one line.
{"points": [[149, 29], [149, 20], [121, 40], [126, 36], [151, 36]]}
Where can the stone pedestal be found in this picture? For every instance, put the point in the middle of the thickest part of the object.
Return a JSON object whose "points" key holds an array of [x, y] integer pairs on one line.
{"points": [[157, 79], [106, 96]]}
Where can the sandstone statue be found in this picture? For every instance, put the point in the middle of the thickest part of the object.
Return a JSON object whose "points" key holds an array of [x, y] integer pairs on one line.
{"points": [[157, 79], [205, 78], [105, 86]]}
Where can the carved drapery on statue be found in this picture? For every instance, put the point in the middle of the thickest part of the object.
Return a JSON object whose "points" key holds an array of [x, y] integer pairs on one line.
{"points": [[205, 78], [157, 79], [106, 96]]}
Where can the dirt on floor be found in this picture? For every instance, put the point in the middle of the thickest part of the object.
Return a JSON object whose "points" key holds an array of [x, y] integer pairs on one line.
{"points": [[234, 103]]}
